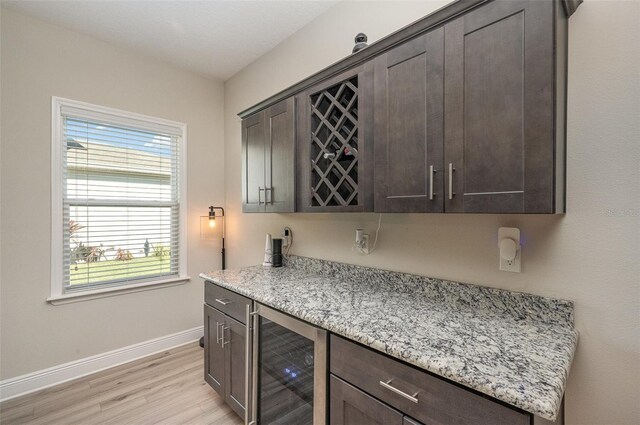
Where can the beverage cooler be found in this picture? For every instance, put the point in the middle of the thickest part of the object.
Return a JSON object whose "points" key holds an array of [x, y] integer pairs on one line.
{"points": [[286, 370]]}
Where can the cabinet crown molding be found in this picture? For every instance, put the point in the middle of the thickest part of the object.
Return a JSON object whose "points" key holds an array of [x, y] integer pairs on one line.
{"points": [[432, 20]]}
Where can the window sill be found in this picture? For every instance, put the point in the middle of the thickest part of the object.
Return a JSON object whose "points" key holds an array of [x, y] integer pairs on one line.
{"points": [[119, 290]]}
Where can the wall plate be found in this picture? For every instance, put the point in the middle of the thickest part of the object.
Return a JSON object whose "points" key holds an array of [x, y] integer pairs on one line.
{"points": [[505, 264]]}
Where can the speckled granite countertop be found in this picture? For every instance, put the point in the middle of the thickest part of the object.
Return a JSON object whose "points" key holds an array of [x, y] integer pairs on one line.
{"points": [[512, 346]]}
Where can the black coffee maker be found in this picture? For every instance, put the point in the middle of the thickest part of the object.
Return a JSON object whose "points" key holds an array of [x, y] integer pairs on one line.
{"points": [[276, 252]]}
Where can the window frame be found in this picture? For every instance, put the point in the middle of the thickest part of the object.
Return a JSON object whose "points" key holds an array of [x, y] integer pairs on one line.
{"points": [[124, 118]]}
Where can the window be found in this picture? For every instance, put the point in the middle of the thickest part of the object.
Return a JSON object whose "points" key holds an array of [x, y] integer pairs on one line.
{"points": [[118, 200]]}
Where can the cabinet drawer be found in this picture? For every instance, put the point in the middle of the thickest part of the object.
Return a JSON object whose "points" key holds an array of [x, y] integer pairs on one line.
{"points": [[350, 406], [228, 302], [431, 400]]}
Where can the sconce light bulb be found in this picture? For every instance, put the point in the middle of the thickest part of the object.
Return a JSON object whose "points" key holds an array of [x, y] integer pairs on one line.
{"points": [[212, 222]]}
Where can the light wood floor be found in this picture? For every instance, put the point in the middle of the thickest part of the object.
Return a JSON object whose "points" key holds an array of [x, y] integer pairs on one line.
{"points": [[166, 388]]}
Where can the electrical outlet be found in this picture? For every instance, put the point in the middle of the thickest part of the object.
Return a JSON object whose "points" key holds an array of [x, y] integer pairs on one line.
{"points": [[511, 265], [286, 234], [510, 250], [363, 246]]}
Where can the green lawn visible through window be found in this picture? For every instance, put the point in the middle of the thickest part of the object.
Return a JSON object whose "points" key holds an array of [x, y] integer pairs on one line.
{"points": [[106, 270]]}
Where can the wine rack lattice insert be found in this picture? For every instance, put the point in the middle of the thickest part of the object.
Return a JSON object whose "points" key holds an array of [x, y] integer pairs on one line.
{"points": [[334, 145]]}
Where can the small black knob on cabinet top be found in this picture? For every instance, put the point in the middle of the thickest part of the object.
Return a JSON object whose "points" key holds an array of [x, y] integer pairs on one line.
{"points": [[361, 42]]}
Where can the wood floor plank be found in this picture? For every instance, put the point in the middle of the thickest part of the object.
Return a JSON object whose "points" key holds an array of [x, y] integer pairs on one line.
{"points": [[17, 414], [136, 381], [139, 366], [79, 386], [70, 393], [165, 388]]}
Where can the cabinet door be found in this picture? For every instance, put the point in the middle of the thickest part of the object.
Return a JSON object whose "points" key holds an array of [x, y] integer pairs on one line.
{"points": [[253, 167], [350, 406], [280, 157], [213, 351], [234, 352], [499, 111], [409, 90], [334, 141]]}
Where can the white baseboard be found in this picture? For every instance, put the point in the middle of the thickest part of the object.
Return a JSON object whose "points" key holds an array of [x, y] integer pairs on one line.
{"points": [[24, 384]]}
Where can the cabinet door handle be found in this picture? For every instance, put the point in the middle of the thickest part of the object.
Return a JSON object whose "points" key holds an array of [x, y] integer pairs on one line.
{"points": [[260, 189], [390, 387], [431, 174], [451, 171], [224, 328], [268, 199], [223, 301], [218, 332]]}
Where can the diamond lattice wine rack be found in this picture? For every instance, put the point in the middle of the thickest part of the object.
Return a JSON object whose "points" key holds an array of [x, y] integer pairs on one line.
{"points": [[334, 145]]}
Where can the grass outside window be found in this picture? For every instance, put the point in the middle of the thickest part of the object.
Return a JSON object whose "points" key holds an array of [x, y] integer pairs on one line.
{"points": [[84, 273]]}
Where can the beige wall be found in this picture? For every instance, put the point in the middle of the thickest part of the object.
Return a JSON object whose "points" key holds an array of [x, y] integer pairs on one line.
{"points": [[39, 61], [590, 255]]}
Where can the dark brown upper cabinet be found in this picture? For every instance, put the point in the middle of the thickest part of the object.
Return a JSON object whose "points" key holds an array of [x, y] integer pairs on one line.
{"points": [[409, 90], [335, 144], [268, 159], [463, 111], [504, 109]]}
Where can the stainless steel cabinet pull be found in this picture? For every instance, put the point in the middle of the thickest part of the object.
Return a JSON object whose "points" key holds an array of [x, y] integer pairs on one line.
{"points": [[255, 343], [451, 171], [260, 189], [390, 387], [431, 173], [268, 199], [224, 328], [223, 301], [247, 365], [218, 339]]}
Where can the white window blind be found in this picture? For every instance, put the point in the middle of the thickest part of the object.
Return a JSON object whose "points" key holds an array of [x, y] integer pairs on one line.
{"points": [[121, 199]]}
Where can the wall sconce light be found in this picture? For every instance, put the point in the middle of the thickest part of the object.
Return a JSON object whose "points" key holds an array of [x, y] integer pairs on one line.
{"points": [[212, 227]]}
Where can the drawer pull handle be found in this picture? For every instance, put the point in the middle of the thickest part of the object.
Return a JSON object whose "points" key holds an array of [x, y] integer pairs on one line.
{"points": [[390, 387], [223, 301]]}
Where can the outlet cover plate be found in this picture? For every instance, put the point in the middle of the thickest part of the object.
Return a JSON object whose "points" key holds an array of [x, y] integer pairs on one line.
{"points": [[364, 249], [514, 265]]}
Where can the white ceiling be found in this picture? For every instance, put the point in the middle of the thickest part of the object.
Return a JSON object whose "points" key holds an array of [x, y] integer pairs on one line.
{"points": [[213, 38]]}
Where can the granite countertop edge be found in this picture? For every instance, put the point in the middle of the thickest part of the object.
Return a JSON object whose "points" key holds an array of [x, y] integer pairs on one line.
{"points": [[546, 408]]}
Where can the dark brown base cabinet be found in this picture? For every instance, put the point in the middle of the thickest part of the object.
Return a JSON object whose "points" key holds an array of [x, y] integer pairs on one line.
{"points": [[463, 111], [364, 386], [383, 390], [350, 406], [224, 345]]}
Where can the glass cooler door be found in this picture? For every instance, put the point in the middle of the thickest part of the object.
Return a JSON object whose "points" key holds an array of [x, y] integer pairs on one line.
{"points": [[285, 374]]}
